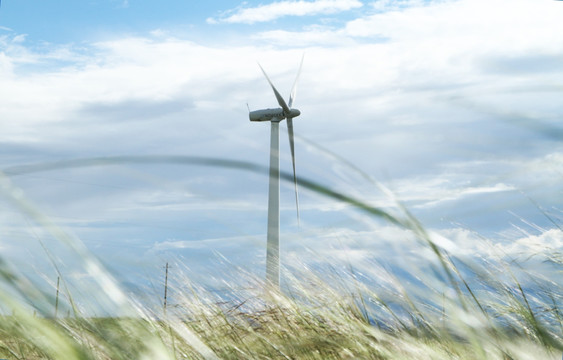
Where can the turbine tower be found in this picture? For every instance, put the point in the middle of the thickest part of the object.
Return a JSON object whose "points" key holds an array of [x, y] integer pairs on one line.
{"points": [[275, 116]]}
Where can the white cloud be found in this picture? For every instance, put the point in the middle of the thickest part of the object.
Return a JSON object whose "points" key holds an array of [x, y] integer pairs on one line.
{"points": [[279, 9], [432, 194], [545, 244], [519, 23], [220, 244], [391, 5], [538, 247], [316, 36], [377, 91]]}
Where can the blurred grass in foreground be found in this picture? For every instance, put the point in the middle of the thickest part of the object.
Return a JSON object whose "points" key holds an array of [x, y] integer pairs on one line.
{"points": [[326, 316]]}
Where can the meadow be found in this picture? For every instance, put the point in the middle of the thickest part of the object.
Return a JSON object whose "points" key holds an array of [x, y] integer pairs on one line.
{"points": [[449, 308]]}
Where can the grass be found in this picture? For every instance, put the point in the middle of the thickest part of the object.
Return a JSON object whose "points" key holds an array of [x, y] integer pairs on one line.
{"points": [[457, 310], [308, 325]]}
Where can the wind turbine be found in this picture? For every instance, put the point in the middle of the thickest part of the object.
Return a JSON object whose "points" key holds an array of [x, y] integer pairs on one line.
{"points": [[275, 116]]}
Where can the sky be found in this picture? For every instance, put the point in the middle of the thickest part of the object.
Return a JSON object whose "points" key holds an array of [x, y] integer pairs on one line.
{"points": [[450, 107]]}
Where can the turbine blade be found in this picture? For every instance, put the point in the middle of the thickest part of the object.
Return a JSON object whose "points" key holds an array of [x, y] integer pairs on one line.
{"points": [[280, 99], [292, 147], [294, 88]]}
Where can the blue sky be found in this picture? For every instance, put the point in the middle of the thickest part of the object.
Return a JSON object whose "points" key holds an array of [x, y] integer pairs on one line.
{"points": [[454, 106], [61, 21]]}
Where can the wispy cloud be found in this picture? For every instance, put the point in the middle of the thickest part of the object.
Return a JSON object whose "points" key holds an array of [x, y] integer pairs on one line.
{"points": [[436, 192], [279, 9], [122, 3]]}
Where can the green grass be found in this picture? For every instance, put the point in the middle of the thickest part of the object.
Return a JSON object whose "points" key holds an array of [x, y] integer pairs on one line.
{"points": [[326, 314], [325, 325]]}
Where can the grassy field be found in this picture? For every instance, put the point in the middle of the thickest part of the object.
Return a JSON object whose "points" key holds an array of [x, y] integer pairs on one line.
{"points": [[319, 324], [316, 315], [314, 318]]}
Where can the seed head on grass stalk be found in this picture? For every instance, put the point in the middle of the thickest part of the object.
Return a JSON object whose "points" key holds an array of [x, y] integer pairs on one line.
{"points": [[323, 321]]}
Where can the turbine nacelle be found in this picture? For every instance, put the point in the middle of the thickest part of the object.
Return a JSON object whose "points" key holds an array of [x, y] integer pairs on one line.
{"points": [[277, 114]]}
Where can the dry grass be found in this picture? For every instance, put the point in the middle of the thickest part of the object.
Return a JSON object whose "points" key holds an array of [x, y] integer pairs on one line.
{"points": [[315, 316]]}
